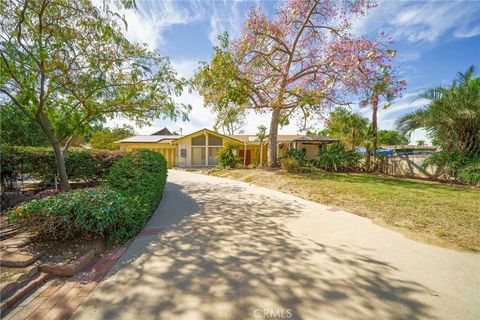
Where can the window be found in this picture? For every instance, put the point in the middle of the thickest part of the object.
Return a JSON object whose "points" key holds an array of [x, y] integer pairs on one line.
{"points": [[198, 156], [212, 155], [198, 140], [183, 153], [214, 140]]}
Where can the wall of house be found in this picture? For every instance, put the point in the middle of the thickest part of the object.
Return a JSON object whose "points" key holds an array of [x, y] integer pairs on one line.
{"points": [[166, 149], [311, 150], [186, 144], [184, 162]]}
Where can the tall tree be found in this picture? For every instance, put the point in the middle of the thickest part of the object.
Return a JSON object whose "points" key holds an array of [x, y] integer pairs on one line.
{"points": [[452, 116], [105, 138], [296, 64], [346, 126], [391, 138], [376, 79], [16, 129], [66, 65], [230, 121]]}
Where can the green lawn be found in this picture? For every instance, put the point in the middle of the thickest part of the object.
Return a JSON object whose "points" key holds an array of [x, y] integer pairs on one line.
{"points": [[438, 213]]}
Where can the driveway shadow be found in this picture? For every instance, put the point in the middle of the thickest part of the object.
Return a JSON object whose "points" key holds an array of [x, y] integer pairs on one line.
{"points": [[225, 253]]}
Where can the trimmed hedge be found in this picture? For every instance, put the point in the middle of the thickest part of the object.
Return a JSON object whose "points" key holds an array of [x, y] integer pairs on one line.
{"points": [[140, 175], [116, 211], [39, 163]]}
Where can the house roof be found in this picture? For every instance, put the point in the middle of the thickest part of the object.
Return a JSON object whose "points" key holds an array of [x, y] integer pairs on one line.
{"points": [[242, 138], [149, 139], [163, 132], [315, 140], [210, 132], [283, 138], [412, 147]]}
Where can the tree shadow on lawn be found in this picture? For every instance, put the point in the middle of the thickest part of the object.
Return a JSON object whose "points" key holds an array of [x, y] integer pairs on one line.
{"points": [[398, 182], [230, 256]]}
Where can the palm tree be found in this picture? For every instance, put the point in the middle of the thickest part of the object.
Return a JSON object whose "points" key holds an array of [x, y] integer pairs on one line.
{"points": [[346, 126], [452, 115]]}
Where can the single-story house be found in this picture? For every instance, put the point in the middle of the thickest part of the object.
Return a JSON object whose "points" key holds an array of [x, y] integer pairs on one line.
{"points": [[200, 148]]}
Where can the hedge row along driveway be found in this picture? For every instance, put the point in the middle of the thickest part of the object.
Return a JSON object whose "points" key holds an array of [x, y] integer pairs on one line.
{"points": [[117, 210]]}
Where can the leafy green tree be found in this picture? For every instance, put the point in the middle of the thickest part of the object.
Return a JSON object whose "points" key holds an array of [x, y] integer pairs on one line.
{"points": [[66, 65], [18, 130], [452, 116], [105, 138], [215, 84], [294, 64], [346, 126], [230, 121], [261, 136], [391, 138], [421, 143]]}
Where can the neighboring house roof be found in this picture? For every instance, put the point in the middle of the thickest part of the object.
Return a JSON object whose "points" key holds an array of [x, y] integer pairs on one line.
{"points": [[149, 139], [207, 131], [412, 147], [283, 138], [315, 138], [163, 132]]}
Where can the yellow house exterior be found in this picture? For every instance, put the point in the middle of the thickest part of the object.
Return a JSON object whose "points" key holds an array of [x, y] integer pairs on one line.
{"points": [[200, 148]]}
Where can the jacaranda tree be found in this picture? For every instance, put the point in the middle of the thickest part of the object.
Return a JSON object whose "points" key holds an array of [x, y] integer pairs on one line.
{"points": [[294, 65]]}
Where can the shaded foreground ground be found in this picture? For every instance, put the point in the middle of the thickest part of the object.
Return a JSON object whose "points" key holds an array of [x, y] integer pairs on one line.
{"points": [[438, 213], [228, 250]]}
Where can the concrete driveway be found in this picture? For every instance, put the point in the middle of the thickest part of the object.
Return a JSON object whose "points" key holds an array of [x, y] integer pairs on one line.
{"points": [[230, 250]]}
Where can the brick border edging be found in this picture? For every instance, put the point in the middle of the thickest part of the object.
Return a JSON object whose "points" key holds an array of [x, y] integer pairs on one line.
{"points": [[23, 292], [61, 300], [70, 269]]}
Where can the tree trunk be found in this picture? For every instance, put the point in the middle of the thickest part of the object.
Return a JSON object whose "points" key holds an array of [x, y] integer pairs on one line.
{"points": [[261, 154], [272, 138], [375, 130], [61, 168], [353, 139], [59, 158]]}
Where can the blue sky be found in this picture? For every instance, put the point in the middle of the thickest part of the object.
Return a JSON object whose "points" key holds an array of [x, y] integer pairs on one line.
{"points": [[434, 40]]}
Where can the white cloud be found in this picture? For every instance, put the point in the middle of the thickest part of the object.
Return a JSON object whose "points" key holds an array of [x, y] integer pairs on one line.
{"points": [[418, 21], [152, 18], [467, 32], [225, 17]]}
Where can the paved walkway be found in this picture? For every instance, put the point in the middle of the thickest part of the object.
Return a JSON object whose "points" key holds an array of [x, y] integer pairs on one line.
{"points": [[229, 250]]}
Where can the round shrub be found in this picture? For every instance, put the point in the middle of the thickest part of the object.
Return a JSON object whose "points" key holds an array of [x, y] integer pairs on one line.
{"points": [[101, 212], [141, 176], [227, 157]]}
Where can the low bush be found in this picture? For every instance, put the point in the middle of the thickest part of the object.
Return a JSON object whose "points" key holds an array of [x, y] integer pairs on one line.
{"points": [[227, 157], [98, 212], [336, 157], [290, 165], [296, 154], [470, 173], [308, 168], [141, 176], [462, 167]]}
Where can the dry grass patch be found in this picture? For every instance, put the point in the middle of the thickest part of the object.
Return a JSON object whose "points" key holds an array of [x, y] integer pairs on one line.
{"points": [[440, 213]]}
